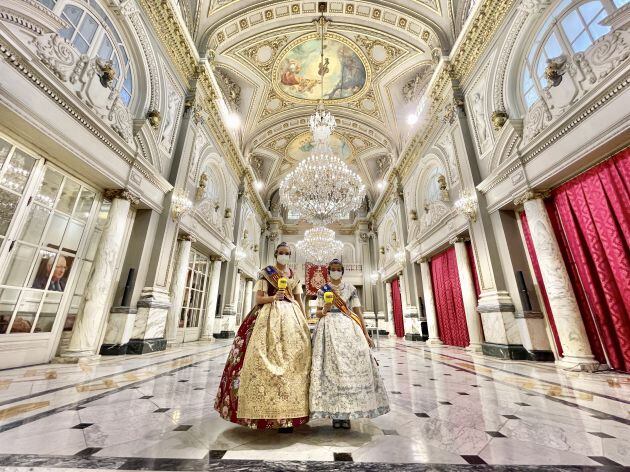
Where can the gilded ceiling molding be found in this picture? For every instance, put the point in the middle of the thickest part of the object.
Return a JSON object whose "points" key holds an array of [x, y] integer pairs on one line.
{"points": [[165, 22], [404, 19], [488, 18]]}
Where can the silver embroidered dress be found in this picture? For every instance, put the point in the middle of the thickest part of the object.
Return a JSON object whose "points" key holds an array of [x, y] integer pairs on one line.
{"points": [[345, 382]]}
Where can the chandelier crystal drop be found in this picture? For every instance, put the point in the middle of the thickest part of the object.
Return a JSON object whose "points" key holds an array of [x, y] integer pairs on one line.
{"points": [[319, 245], [322, 188]]}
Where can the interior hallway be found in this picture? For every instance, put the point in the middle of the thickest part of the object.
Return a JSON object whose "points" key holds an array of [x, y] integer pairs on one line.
{"points": [[448, 407]]}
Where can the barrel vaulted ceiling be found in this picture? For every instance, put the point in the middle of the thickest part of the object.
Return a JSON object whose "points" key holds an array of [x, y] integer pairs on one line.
{"points": [[265, 56]]}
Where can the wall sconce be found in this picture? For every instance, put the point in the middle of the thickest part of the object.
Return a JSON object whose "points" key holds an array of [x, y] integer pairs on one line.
{"points": [[255, 247], [467, 205], [228, 213], [180, 204], [382, 249], [414, 215]]}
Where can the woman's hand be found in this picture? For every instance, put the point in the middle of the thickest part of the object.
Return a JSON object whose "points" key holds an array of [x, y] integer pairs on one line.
{"points": [[369, 341], [279, 296]]}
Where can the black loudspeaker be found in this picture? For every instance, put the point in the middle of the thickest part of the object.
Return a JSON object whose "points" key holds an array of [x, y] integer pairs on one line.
{"points": [[522, 288], [131, 280]]}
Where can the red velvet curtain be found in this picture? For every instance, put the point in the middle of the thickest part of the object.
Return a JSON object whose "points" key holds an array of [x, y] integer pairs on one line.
{"points": [[399, 324], [473, 267], [591, 213], [449, 304], [591, 219]]}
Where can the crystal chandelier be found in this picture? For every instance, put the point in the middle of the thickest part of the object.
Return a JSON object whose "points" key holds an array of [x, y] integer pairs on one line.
{"points": [[319, 245], [322, 189]]}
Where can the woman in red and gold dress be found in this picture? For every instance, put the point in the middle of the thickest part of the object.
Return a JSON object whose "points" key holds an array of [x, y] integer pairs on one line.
{"points": [[266, 377]]}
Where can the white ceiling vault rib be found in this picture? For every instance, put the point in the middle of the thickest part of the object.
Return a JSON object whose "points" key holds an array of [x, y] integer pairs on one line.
{"points": [[262, 49]]}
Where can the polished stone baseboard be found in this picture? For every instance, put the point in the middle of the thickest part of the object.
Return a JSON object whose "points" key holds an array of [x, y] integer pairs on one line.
{"points": [[415, 337], [144, 346], [381, 332], [113, 350], [541, 356], [505, 351], [224, 335]]}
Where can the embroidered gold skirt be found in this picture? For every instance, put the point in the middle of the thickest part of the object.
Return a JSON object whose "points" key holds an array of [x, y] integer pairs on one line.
{"points": [[274, 380]]}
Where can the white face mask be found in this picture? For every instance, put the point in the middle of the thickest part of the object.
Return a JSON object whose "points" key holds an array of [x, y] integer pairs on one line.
{"points": [[335, 275], [283, 259]]}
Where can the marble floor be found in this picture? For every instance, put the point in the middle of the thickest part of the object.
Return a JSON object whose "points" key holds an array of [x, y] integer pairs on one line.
{"points": [[450, 411]]}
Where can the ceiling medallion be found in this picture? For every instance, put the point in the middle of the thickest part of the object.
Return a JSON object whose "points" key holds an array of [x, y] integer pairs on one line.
{"points": [[319, 245]]}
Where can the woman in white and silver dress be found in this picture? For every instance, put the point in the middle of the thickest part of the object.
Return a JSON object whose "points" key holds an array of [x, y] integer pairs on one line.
{"points": [[345, 381]]}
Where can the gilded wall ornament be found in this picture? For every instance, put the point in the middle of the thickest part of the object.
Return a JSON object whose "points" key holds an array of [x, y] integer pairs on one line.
{"points": [[498, 119], [155, 118], [106, 72], [555, 70]]}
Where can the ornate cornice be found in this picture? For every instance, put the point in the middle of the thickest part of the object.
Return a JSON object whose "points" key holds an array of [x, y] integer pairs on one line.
{"points": [[531, 195], [120, 194], [181, 50], [451, 72]]}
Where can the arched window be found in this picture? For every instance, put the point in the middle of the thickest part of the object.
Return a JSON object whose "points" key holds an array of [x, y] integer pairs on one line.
{"points": [[92, 32], [571, 28]]}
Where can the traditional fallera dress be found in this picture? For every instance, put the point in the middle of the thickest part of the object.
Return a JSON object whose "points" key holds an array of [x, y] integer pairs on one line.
{"points": [[345, 381], [266, 377]]}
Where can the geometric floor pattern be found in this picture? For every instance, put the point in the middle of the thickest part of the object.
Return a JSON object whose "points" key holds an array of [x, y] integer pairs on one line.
{"points": [[451, 410]]}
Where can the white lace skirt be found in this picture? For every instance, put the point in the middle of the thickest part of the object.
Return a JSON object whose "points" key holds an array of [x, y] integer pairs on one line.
{"points": [[345, 382]]}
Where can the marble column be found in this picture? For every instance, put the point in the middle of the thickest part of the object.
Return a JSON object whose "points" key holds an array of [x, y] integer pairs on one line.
{"points": [[90, 320], [213, 296], [178, 288], [247, 304], [429, 304], [473, 321], [577, 353], [390, 308]]}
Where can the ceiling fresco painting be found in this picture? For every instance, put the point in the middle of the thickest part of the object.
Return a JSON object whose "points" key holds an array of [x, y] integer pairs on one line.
{"points": [[297, 72], [377, 57], [301, 147]]}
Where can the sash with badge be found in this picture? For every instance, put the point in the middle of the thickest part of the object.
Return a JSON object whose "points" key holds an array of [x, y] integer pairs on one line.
{"points": [[330, 296]]}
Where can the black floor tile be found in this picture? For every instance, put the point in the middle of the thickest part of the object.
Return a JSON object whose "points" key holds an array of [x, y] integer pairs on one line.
{"points": [[79, 408], [88, 451], [146, 397], [416, 385], [183, 427], [343, 457], [463, 393], [393, 392], [182, 381], [604, 460], [216, 454], [421, 415], [496, 434], [390, 432], [511, 417], [398, 374], [445, 403], [199, 388], [82, 426], [161, 410], [523, 404], [474, 460], [601, 435]]}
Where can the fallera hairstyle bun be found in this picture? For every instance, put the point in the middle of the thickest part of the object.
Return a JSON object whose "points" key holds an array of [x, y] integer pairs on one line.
{"points": [[282, 244], [338, 262]]}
